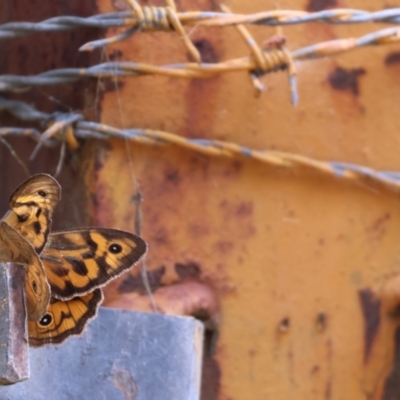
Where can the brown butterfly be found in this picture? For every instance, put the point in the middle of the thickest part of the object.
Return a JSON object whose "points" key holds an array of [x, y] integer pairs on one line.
{"points": [[75, 263]]}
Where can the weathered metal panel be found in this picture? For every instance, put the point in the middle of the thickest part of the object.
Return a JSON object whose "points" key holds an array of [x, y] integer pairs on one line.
{"points": [[297, 261]]}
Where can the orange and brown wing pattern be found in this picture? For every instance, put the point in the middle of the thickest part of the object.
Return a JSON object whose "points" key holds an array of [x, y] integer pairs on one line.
{"points": [[15, 248], [32, 205], [77, 262], [64, 318]]}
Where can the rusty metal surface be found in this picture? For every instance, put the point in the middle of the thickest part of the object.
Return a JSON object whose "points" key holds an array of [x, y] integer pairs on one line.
{"points": [[121, 355], [14, 361], [297, 261]]}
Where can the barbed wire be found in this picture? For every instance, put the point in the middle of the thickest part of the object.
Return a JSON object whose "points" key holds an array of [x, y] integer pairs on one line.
{"points": [[201, 18], [273, 56], [65, 128], [275, 59]]}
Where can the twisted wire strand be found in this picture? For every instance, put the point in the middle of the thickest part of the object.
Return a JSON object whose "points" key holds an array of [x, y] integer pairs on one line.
{"points": [[192, 70], [203, 18], [273, 59], [79, 128]]}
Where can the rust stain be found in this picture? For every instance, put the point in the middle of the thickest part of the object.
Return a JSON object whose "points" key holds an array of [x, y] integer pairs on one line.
{"points": [[201, 94], [173, 176], [319, 5], [190, 270], [107, 85], [284, 325], [392, 58], [101, 156], [115, 55], [223, 246], [233, 169], [379, 224], [133, 283], [328, 390], [392, 384], [346, 79], [244, 209], [377, 229], [196, 229], [212, 5], [315, 369], [160, 237], [370, 307], [329, 354], [207, 51], [322, 321]]}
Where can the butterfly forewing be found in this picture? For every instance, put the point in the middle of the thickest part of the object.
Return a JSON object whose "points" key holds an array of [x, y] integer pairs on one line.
{"points": [[77, 262], [32, 205], [64, 318]]}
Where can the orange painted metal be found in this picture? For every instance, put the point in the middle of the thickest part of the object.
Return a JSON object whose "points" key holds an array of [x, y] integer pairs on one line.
{"points": [[297, 271]]}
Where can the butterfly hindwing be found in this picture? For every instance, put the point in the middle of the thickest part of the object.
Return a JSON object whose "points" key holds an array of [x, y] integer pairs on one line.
{"points": [[64, 318], [32, 205], [78, 261], [15, 248]]}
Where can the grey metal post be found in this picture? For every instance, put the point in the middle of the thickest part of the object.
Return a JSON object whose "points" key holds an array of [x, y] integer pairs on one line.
{"points": [[14, 360], [122, 355]]}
